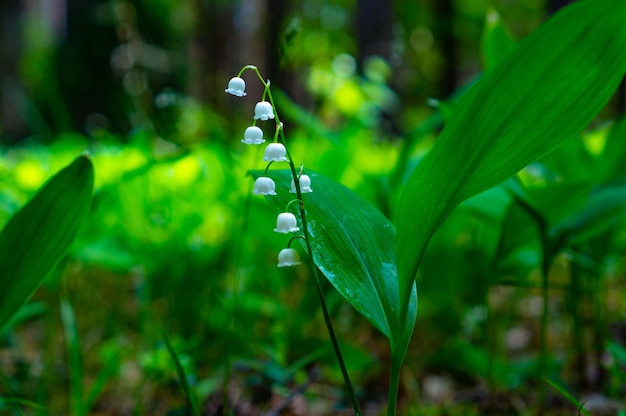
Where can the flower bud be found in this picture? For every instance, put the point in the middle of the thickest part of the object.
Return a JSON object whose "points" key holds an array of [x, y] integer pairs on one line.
{"points": [[253, 135], [288, 257], [305, 185], [236, 86], [264, 186], [286, 223], [263, 111], [275, 152]]}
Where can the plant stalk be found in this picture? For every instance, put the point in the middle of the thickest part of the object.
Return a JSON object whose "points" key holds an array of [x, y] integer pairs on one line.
{"points": [[305, 230], [394, 383], [543, 335]]}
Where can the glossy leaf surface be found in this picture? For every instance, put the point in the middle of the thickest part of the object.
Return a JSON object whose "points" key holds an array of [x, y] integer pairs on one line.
{"points": [[354, 247]]}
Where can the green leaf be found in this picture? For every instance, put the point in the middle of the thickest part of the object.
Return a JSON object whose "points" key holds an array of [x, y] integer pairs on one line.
{"points": [[497, 42], [603, 209], [546, 91], [556, 200], [567, 395], [35, 239], [611, 163], [354, 247]]}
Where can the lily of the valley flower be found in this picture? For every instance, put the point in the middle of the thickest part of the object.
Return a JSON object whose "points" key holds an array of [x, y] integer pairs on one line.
{"points": [[236, 86], [288, 257], [253, 135], [286, 223], [263, 111], [305, 185], [275, 152], [264, 186]]}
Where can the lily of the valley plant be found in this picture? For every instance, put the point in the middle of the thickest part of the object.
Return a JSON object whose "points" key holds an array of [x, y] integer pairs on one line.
{"points": [[286, 222]]}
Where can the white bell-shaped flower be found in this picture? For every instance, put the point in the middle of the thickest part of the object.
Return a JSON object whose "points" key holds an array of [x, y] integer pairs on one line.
{"points": [[286, 223], [275, 152], [264, 186], [305, 185], [263, 111], [253, 135], [288, 257], [236, 86]]}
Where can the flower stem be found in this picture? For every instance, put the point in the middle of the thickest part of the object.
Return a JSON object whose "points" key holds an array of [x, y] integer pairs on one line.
{"points": [[299, 202], [252, 67], [320, 293], [305, 230]]}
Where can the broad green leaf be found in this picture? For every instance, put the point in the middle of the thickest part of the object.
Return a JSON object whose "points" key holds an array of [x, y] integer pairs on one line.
{"points": [[38, 235], [571, 162], [354, 247], [603, 209], [546, 91]]}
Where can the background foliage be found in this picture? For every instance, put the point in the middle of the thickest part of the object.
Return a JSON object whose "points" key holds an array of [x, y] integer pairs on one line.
{"points": [[174, 244]]}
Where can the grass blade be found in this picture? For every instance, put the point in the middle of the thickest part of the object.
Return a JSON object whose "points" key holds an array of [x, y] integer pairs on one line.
{"points": [[182, 377]]}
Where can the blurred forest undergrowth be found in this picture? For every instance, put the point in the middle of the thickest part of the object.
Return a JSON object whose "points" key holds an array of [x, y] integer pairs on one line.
{"points": [[174, 244]]}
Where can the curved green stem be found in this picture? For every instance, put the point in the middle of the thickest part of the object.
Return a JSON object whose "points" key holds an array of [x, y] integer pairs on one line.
{"points": [[320, 293], [252, 67], [291, 202], [331, 332]]}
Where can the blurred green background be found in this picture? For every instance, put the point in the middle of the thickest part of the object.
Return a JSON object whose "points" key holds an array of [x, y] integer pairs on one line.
{"points": [[175, 243]]}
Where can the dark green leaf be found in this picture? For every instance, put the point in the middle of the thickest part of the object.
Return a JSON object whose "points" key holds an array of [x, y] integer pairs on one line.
{"points": [[556, 200], [567, 395], [498, 42], [603, 209], [38, 235], [572, 161], [354, 246], [543, 93], [612, 159]]}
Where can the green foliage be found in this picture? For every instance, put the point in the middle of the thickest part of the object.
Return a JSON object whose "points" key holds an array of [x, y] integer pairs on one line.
{"points": [[36, 238], [545, 92], [174, 241], [498, 43], [567, 395], [182, 377], [602, 210], [354, 246]]}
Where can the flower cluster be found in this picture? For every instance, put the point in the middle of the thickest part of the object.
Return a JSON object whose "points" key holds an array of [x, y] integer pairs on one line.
{"points": [[286, 222]]}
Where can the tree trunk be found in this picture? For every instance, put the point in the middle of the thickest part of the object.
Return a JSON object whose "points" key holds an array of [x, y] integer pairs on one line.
{"points": [[374, 22], [12, 125], [444, 34]]}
